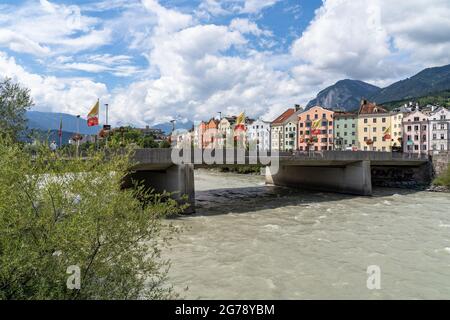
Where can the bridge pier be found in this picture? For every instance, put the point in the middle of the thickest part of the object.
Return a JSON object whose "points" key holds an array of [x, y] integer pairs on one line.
{"points": [[177, 179], [352, 178]]}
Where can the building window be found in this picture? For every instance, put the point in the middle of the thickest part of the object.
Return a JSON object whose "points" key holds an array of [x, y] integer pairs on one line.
{"points": [[416, 119], [374, 120], [374, 139], [416, 128], [443, 117], [365, 129], [409, 128], [434, 127], [316, 116], [424, 128], [434, 136], [442, 136], [442, 126], [383, 120], [374, 129], [416, 147], [353, 125], [365, 120], [442, 147]]}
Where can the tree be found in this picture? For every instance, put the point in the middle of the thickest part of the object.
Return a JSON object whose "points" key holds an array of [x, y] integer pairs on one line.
{"points": [[14, 102], [58, 214], [164, 144]]}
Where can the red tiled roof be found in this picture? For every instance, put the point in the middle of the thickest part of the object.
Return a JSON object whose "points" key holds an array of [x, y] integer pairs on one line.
{"points": [[370, 108], [284, 116]]}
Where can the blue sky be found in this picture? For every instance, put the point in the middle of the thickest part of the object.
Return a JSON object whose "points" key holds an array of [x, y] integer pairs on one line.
{"points": [[155, 60]]}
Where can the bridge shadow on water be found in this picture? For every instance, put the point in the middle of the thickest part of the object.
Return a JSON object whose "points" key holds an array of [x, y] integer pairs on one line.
{"points": [[259, 198]]}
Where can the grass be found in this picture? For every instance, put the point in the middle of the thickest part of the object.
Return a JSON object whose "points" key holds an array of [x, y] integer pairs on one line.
{"points": [[443, 179]]}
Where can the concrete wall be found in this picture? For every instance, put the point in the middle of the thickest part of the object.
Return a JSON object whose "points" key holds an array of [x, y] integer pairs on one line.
{"points": [[441, 162], [402, 176], [352, 178], [178, 180]]}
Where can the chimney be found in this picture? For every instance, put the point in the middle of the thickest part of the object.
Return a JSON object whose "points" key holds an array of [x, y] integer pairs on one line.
{"points": [[297, 107]]}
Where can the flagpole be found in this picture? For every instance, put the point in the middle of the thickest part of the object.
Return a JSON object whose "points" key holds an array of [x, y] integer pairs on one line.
{"points": [[106, 140], [60, 133]]}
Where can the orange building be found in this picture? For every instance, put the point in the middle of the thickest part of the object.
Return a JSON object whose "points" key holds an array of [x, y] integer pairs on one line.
{"points": [[210, 134], [315, 129]]}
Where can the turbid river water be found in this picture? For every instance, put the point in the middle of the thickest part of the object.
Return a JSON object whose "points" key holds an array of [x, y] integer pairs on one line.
{"points": [[251, 241]]}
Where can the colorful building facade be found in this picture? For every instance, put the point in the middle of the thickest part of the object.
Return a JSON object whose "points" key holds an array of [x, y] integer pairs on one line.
{"points": [[439, 130], [345, 131], [416, 132], [259, 134], [315, 129]]}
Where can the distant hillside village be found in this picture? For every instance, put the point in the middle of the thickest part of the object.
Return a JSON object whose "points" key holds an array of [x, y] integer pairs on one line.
{"points": [[409, 128]]}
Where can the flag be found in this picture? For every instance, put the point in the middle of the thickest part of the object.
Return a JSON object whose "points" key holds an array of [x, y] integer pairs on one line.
{"points": [[93, 115], [240, 122], [316, 126], [60, 128], [387, 134]]}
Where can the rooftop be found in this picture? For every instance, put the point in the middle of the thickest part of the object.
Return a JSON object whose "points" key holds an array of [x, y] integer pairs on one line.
{"points": [[284, 116]]}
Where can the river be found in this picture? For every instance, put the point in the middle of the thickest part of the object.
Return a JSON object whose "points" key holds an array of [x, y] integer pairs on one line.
{"points": [[251, 241]]}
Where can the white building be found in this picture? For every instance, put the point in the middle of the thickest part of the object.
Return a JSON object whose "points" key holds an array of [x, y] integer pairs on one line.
{"points": [[258, 133], [439, 129], [284, 130], [416, 133]]}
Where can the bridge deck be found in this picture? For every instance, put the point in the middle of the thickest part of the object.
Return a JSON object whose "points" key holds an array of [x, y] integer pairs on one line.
{"points": [[161, 159]]}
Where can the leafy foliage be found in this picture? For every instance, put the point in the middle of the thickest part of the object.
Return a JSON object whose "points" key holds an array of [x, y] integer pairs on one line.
{"points": [[443, 179], [56, 212], [441, 99], [14, 102]]}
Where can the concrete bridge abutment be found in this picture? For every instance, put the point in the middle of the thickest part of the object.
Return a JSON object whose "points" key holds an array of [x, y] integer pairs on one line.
{"points": [[176, 179], [353, 178]]}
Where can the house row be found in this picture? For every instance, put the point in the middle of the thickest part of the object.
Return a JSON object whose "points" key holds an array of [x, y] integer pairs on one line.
{"points": [[371, 128]]}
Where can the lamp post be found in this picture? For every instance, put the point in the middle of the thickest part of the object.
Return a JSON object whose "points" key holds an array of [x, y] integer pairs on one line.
{"points": [[78, 135]]}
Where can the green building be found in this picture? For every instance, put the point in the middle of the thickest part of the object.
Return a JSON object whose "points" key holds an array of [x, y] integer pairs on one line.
{"points": [[345, 131]]}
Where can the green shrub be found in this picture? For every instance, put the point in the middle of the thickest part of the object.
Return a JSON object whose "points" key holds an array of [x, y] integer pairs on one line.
{"points": [[443, 179], [57, 212]]}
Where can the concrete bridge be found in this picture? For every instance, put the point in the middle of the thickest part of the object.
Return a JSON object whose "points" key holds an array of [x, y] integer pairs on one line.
{"points": [[332, 171]]}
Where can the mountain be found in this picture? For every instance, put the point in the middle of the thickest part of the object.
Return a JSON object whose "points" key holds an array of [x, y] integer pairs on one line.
{"points": [[50, 121], [344, 95], [440, 99], [426, 82], [167, 127]]}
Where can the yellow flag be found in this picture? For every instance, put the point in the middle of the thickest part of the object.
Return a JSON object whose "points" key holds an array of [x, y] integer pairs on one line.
{"points": [[95, 109], [317, 124], [93, 115], [240, 119]]}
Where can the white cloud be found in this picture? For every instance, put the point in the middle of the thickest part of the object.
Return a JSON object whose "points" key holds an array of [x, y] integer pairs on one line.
{"points": [[374, 40], [255, 6], [48, 28], [50, 93], [246, 26]]}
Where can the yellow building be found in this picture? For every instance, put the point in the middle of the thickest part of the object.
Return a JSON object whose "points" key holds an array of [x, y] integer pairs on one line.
{"points": [[378, 130]]}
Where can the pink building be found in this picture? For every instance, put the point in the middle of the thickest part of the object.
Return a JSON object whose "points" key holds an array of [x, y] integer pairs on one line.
{"points": [[315, 129]]}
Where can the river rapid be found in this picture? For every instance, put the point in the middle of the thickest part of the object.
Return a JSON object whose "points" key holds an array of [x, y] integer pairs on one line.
{"points": [[251, 241]]}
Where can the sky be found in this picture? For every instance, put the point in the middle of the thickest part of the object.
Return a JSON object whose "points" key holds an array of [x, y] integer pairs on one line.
{"points": [[157, 60]]}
